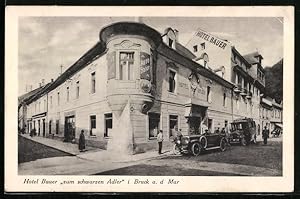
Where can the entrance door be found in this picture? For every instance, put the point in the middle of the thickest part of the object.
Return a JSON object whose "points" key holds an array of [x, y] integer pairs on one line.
{"points": [[69, 128], [39, 125], [194, 125], [44, 130]]}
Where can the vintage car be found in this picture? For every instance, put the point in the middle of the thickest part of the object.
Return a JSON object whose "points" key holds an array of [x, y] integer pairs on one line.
{"points": [[243, 131], [195, 144]]}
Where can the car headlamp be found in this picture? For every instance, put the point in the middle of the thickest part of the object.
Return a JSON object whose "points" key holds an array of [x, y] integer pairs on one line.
{"points": [[185, 140]]}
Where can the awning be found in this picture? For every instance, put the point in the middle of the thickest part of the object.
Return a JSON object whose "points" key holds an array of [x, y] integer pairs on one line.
{"points": [[279, 125]]}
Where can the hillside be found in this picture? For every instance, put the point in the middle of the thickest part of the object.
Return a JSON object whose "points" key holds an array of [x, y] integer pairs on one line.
{"points": [[274, 81]]}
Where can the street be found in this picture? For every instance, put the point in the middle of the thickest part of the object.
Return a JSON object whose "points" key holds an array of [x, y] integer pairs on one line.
{"points": [[252, 160], [29, 150]]}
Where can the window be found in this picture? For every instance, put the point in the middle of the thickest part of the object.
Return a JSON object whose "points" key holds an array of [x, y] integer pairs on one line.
{"points": [[210, 125], [202, 45], [77, 90], [170, 43], [108, 123], [51, 101], [205, 63], [93, 82], [68, 94], [172, 81], [208, 94], [173, 124], [224, 99], [154, 120], [195, 48], [45, 106], [58, 98], [126, 69], [92, 125]]}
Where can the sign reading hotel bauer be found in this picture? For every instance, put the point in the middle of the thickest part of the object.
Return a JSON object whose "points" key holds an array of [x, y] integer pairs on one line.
{"points": [[111, 60], [212, 39], [145, 66]]}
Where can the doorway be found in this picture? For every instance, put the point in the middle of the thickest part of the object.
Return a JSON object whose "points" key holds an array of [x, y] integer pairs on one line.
{"points": [[44, 130], [69, 135], [39, 125], [194, 125]]}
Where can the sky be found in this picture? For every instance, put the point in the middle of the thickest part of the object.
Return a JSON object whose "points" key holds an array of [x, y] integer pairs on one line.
{"points": [[46, 43]]}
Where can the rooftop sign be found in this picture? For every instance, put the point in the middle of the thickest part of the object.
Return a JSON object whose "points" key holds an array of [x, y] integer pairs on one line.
{"points": [[218, 42]]}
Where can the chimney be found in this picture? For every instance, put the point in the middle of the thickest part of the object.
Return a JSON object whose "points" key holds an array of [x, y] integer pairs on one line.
{"points": [[43, 82], [176, 35], [51, 79], [30, 87], [40, 85]]}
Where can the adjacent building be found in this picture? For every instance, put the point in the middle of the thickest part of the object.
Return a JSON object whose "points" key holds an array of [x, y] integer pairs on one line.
{"points": [[136, 81]]}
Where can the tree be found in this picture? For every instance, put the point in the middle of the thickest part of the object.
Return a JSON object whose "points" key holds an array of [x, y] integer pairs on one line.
{"points": [[274, 81]]}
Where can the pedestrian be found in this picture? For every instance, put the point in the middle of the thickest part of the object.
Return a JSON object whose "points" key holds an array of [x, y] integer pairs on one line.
{"points": [[81, 144], [226, 131], [265, 135], [160, 139]]}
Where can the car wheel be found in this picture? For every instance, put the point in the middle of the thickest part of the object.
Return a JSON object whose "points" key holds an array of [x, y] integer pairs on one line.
{"points": [[196, 149], [176, 150], [243, 142], [223, 145]]}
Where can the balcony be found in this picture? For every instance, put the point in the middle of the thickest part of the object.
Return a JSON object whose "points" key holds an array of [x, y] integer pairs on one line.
{"points": [[238, 88], [244, 92], [249, 95]]}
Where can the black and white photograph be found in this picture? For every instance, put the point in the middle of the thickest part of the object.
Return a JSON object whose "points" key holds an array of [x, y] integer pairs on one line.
{"points": [[169, 97]]}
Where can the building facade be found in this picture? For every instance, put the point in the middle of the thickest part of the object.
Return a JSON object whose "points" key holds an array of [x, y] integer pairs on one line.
{"points": [[135, 82], [246, 72]]}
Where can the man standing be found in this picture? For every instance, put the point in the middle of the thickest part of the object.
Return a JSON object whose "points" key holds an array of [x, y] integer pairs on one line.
{"points": [[160, 140], [265, 135]]}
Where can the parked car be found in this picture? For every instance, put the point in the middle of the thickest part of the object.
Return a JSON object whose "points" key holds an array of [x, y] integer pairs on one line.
{"points": [[195, 144], [243, 131], [276, 132]]}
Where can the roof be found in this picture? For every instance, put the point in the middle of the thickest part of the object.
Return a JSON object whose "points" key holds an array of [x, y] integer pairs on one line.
{"points": [[183, 55], [251, 57], [184, 51], [239, 54], [276, 104], [266, 101], [29, 94]]}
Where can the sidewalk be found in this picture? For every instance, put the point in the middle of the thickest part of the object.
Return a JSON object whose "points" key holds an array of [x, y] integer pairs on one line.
{"points": [[60, 145], [86, 163], [270, 139]]}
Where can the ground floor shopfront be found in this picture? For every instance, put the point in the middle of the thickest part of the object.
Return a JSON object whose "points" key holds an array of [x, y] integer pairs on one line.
{"points": [[107, 129]]}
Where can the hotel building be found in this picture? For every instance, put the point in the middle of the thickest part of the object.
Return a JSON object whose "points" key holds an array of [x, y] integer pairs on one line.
{"points": [[136, 81]]}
